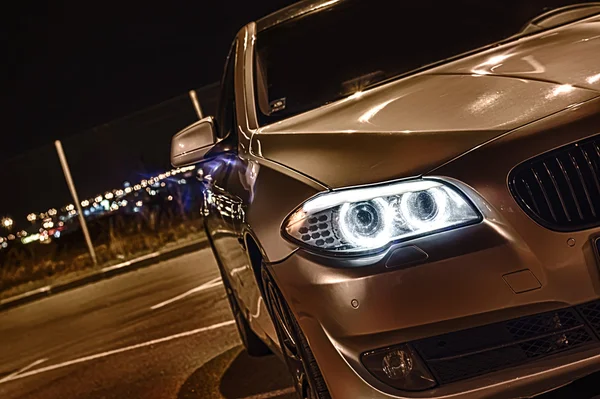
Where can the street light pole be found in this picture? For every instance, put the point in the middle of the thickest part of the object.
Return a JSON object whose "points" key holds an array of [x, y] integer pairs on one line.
{"points": [[196, 103], [69, 179]]}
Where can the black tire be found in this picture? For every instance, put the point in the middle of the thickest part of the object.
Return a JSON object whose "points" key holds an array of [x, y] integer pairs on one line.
{"points": [[252, 343], [306, 375]]}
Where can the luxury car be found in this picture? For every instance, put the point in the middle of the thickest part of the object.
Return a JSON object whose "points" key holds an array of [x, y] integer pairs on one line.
{"points": [[403, 198]]}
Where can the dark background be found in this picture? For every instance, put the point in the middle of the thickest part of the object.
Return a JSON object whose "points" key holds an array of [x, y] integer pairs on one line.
{"points": [[73, 66]]}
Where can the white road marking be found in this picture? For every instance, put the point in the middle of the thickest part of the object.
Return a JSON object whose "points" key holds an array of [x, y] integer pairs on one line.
{"points": [[129, 262], [272, 394], [115, 351], [210, 284], [16, 373]]}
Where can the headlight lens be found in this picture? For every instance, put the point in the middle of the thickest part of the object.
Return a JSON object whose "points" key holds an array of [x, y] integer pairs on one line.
{"points": [[368, 219]]}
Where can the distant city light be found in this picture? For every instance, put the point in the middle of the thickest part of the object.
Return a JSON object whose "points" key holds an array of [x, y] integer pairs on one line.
{"points": [[11, 237], [30, 239], [43, 236], [7, 223], [152, 186]]}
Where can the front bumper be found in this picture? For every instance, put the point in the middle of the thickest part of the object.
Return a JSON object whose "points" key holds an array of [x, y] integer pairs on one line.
{"points": [[504, 268], [347, 309]]}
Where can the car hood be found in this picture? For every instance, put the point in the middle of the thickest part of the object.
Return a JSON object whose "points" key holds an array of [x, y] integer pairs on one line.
{"points": [[410, 126]]}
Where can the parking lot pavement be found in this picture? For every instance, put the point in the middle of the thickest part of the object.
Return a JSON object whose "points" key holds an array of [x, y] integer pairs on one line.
{"points": [[234, 374], [157, 332]]}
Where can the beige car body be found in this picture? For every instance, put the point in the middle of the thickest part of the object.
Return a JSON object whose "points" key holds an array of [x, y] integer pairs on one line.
{"points": [[468, 122]]}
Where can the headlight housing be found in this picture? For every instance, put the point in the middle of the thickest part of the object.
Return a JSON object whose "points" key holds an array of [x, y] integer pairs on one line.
{"points": [[364, 220]]}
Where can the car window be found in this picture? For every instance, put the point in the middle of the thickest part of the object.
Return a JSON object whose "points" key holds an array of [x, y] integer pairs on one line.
{"points": [[326, 55], [226, 106]]}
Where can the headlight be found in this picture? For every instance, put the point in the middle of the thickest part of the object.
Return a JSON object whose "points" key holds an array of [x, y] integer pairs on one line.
{"points": [[368, 219]]}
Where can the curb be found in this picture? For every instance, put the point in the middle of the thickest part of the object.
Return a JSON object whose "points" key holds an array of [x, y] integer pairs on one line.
{"points": [[104, 273]]}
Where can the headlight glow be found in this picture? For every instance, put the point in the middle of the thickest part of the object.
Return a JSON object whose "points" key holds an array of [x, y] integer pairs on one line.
{"points": [[367, 219], [366, 223]]}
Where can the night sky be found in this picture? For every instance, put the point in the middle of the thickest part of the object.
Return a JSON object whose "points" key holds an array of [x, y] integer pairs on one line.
{"points": [[73, 66]]}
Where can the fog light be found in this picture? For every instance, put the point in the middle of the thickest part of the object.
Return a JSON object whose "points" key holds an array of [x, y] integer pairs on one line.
{"points": [[397, 364], [399, 367]]}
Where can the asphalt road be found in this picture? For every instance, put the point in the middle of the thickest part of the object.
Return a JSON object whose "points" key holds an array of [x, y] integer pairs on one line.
{"points": [[161, 332]]}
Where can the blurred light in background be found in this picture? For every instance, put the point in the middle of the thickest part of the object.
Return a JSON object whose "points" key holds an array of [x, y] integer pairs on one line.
{"points": [[7, 223]]}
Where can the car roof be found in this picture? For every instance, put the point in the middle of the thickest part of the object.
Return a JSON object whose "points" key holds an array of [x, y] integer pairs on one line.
{"points": [[292, 11]]}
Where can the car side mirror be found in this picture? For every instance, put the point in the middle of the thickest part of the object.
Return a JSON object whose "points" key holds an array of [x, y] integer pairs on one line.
{"points": [[190, 145]]}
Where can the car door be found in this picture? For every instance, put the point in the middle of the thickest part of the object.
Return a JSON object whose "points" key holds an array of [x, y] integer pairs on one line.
{"points": [[222, 220]]}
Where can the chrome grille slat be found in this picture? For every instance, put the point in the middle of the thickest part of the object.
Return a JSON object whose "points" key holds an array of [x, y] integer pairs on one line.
{"points": [[557, 189], [571, 190], [533, 201], [584, 185], [545, 194], [561, 188], [592, 169]]}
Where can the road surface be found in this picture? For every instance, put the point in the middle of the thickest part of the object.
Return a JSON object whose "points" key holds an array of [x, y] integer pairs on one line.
{"points": [[161, 332]]}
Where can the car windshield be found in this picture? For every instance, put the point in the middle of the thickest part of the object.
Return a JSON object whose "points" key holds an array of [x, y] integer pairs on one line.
{"points": [[351, 45]]}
